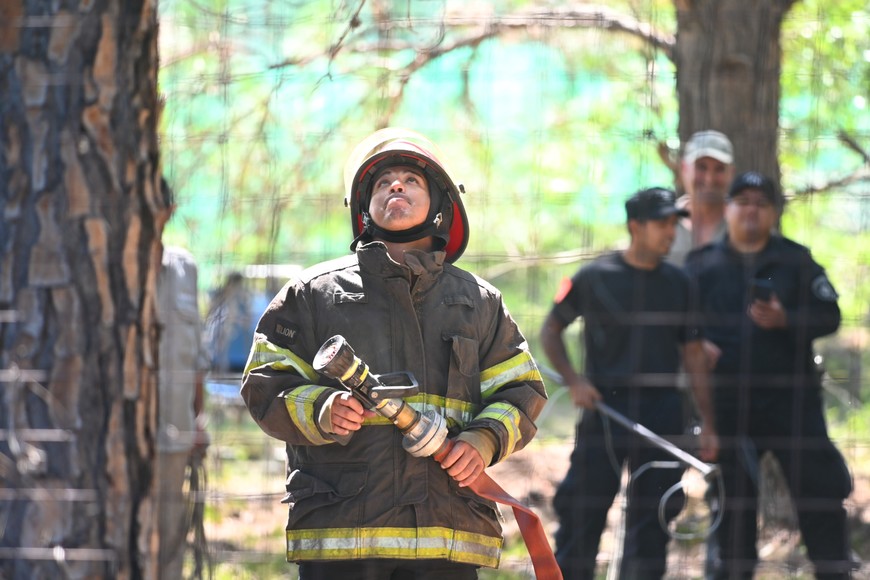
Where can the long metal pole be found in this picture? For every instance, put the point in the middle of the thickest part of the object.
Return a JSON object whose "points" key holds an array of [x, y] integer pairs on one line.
{"points": [[706, 469]]}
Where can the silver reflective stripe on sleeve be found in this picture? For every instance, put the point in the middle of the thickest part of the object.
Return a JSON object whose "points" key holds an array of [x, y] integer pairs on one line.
{"points": [[300, 406], [522, 367]]}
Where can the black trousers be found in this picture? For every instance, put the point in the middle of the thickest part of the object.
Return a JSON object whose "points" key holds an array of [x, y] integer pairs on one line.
{"points": [[791, 426], [592, 482], [382, 569]]}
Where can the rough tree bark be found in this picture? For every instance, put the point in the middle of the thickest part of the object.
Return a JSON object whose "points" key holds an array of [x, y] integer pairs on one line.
{"points": [[82, 210], [728, 61]]}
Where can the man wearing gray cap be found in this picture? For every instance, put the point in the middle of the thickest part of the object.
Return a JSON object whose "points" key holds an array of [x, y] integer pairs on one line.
{"points": [[706, 170]]}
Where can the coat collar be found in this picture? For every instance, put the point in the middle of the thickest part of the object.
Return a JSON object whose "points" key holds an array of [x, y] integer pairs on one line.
{"points": [[373, 258]]}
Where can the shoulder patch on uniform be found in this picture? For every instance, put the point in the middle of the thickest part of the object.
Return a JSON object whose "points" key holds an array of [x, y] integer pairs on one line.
{"points": [[564, 288], [823, 290], [285, 332]]}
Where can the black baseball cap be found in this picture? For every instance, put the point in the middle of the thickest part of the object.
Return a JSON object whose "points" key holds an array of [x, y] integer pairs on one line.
{"points": [[655, 203], [754, 180]]}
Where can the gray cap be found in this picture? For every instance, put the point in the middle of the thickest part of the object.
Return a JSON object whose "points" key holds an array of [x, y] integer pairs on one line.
{"points": [[709, 144]]}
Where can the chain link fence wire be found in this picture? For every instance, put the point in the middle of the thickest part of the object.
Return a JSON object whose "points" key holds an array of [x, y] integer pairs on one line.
{"points": [[260, 120], [549, 126]]}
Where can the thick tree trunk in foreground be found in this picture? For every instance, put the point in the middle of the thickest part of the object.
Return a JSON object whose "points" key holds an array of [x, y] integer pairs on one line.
{"points": [[82, 209], [728, 61]]}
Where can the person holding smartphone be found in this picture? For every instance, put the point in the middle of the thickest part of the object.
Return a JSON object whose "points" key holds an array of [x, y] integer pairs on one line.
{"points": [[762, 300]]}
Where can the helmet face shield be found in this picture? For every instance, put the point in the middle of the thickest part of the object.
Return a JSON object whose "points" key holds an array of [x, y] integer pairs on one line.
{"points": [[394, 146]]}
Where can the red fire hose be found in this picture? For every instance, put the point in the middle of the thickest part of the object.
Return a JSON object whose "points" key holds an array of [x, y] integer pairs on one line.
{"points": [[425, 434], [531, 529]]}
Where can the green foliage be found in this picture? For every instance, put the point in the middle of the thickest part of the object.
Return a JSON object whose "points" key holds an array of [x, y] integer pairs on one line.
{"points": [[855, 428], [274, 567], [549, 128], [255, 154], [826, 72], [832, 228]]}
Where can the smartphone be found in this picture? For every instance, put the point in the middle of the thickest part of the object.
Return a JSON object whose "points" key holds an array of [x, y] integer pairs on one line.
{"points": [[760, 289]]}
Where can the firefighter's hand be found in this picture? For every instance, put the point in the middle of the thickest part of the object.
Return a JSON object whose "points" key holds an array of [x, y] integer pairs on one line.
{"points": [[463, 463], [348, 414], [584, 394], [768, 314]]}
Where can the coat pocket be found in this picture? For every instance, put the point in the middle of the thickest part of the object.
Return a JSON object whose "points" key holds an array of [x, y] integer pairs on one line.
{"points": [[463, 379], [315, 487], [484, 510]]}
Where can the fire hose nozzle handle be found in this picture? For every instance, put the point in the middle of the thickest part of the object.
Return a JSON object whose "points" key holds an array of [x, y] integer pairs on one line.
{"points": [[424, 433], [337, 360]]}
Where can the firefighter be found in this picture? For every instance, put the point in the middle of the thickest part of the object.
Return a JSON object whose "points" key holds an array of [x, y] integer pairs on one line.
{"points": [[360, 506]]}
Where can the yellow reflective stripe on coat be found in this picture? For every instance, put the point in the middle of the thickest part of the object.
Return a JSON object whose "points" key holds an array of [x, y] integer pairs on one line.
{"points": [[300, 407], [269, 355], [403, 543], [519, 368], [509, 416]]}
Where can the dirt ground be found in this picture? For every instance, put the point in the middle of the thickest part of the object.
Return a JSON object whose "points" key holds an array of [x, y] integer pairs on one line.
{"points": [[530, 476], [533, 474]]}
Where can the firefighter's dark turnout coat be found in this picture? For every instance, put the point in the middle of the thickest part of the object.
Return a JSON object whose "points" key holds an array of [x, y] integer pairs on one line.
{"points": [[370, 498]]}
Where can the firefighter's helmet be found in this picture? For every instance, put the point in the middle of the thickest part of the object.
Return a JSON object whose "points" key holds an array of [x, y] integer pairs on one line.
{"points": [[446, 221]]}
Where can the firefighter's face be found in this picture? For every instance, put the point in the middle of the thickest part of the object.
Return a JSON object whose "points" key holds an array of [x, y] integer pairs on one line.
{"points": [[400, 198]]}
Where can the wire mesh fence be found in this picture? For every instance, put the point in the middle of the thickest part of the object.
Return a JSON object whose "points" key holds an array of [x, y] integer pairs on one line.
{"points": [[263, 102], [307, 109]]}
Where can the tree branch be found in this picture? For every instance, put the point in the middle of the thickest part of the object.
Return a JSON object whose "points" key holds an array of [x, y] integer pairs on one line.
{"points": [[852, 144], [857, 176], [515, 261], [536, 19]]}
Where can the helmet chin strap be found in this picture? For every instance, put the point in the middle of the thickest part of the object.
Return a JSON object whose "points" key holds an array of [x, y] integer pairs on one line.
{"points": [[435, 226], [371, 230]]}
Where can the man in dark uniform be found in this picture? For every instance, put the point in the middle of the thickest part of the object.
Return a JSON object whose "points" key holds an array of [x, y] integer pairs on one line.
{"points": [[635, 309], [764, 300]]}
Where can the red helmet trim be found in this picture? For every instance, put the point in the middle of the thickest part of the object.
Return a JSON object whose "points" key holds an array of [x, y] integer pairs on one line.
{"points": [[457, 236]]}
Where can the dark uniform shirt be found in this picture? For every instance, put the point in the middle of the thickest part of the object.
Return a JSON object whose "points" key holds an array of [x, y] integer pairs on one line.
{"points": [[772, 358], [635, 321]]}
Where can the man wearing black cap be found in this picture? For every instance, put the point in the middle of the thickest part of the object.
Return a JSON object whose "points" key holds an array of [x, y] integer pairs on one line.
{"points": [[763, 301], [635, 310]]}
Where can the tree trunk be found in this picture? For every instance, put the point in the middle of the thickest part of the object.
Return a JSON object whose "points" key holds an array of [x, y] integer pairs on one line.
{"points": [[728, 61], [82, 211]]}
